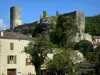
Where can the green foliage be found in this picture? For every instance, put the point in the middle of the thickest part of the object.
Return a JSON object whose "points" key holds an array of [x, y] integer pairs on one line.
{"points": [[67, 23], [26, 28], [87, 71], [37, 51], [54, 21], [84, 46], [65, 31], [92, 25], [92, 57], [64, 62], [56, 36], [61, 63], [97, 53]]}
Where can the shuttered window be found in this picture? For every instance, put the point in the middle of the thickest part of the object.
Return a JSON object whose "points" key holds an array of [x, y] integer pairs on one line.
{"points": [[11, 46], [11, 59], [28, 62]]}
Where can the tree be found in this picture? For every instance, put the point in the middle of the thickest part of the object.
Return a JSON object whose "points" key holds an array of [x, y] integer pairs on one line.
{"points": [[92, 57], [65, 62], [41, 28], [65, 31], [92, 25], [60, 64], [56, 36], [84, 46], [37, 51]]}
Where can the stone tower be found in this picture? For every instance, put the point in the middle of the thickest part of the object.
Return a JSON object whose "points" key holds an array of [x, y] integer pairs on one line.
{"points": [[80, 23], [15, 17]]}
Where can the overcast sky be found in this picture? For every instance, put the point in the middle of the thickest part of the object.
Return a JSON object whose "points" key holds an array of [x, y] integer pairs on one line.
{"points": [[31, 9]]}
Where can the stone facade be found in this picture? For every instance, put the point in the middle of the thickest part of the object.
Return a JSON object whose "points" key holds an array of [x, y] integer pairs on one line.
{"points": [[80, 23], [8, 52]]}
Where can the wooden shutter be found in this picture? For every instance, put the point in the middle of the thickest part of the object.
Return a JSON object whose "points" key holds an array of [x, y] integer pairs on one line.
{"points": [[26, 61], [8, 59], [11, 46], [29, 61], [14, 59]]}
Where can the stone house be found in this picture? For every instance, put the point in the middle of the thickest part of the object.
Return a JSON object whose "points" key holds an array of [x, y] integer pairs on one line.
{"points": [[13, 61]]}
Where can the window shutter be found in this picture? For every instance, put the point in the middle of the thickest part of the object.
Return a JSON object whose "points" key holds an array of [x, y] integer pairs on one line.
{"points": [[8, 59], [11, 46], [14, 59], [26, 61]]}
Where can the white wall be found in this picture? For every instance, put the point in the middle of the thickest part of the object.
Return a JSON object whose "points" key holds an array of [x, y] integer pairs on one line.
{"points": [[20, 66]]}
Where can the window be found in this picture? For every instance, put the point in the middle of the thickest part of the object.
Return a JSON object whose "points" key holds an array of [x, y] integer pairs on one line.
{"points": [[11, 46], [28, 61], [11, 59], [29, 73]]}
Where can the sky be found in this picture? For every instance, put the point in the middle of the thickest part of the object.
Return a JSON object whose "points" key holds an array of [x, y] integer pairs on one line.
{"points": [[32, 9]]}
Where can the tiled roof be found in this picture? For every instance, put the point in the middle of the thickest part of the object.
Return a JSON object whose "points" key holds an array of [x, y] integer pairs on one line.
{"points": [[14, 35], [96, 37]]}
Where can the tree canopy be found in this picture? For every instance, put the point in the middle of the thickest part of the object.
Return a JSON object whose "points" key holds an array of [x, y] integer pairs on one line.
{"points": [[92, 25], [84, 46], [37, 51], [65, 30], [65, 62], [60, 64]]}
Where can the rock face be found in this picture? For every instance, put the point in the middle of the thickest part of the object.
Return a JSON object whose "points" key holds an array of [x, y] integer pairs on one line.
{"points": [[77, 57]]}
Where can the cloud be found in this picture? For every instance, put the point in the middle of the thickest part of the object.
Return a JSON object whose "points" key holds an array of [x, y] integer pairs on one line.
{"points": [[3, 26]]}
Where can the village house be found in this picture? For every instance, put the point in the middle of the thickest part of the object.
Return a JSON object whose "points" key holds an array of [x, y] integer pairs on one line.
{"points": [[13, 61]]}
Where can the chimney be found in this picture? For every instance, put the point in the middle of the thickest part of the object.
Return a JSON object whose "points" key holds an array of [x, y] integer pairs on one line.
{"points": [[1, 34]]}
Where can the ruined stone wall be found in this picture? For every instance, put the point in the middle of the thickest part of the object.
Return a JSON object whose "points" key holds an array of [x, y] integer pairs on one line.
{"points": [[80, 23]]}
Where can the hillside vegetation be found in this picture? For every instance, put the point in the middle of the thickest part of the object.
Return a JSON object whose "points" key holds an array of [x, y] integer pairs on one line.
{"points": [[92, 25]]}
